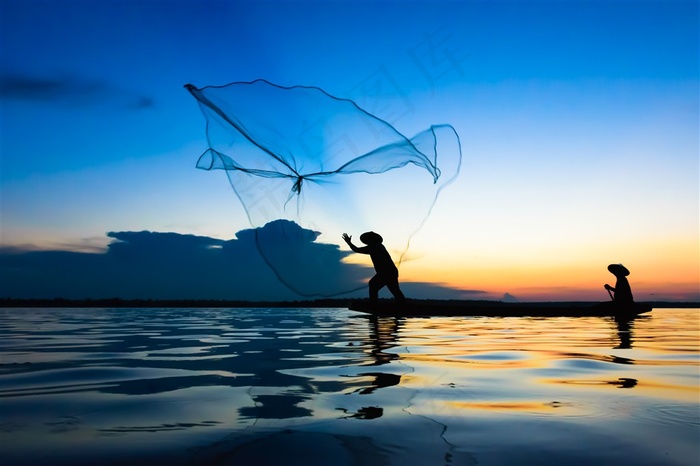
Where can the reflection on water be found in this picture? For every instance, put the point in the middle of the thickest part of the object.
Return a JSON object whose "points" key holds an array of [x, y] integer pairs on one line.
{"points": [[331, 386]]}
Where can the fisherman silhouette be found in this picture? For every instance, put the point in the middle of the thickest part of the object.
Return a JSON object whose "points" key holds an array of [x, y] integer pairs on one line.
{"points": [[622, 290], [387, 273]]}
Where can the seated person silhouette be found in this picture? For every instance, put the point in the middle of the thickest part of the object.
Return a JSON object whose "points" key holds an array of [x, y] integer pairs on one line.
{"points": [[622, 290], [387, 273]]}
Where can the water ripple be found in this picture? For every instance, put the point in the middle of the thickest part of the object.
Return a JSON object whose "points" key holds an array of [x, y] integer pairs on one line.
{"points": [[218, 383]]}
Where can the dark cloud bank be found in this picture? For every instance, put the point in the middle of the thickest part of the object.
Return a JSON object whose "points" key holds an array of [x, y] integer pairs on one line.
{"points": [[149, 265]]}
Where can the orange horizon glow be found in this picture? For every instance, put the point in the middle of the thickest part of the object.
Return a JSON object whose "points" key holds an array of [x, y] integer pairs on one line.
{"points": [[668, 271], [572, 282]]}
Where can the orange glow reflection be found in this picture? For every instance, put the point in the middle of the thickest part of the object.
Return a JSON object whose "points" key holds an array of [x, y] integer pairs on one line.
{"points": [[653, 356], [523, 406], [646, 387]]}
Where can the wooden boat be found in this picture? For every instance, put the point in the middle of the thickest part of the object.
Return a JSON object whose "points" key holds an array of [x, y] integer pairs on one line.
{"points": [[428, 308]]}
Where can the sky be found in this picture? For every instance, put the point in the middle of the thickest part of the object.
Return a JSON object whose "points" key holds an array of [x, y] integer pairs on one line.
{"points": [[578, 124]]}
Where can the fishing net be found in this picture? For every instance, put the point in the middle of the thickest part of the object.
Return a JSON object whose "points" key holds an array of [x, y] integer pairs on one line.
{"points": [[307, 166]]}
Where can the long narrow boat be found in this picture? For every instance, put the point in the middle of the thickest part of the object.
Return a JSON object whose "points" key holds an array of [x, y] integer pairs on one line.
{"points": [[427, 308]]}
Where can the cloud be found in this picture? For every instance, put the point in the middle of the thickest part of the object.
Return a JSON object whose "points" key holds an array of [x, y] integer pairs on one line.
{"points": [[18, 86], [142, 103], [73, 90], [152, 265]]}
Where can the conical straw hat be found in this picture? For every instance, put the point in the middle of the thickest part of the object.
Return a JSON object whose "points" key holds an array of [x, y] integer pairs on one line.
{"points": [[618, 270]]}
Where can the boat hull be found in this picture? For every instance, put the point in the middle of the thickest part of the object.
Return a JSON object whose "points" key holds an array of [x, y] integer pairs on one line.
{"points": [[428, 308]]}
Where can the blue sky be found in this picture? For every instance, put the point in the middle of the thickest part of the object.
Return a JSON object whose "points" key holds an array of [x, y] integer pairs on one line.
{"points": [[578, 121]]}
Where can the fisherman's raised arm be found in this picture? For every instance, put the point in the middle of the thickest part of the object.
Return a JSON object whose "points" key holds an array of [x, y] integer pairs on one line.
{"points": [[348, 239]]}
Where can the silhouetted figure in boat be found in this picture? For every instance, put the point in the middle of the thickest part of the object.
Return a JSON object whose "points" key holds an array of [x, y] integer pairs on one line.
{"points": [[387, 273], [622, 290]]}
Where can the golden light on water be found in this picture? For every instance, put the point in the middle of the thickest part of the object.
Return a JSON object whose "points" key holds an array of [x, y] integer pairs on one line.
{"points": [[528, 407], [645, 386], [537, 352]]}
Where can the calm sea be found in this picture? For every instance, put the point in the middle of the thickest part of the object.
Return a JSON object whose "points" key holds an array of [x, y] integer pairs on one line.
{"points": [[335, 387]]}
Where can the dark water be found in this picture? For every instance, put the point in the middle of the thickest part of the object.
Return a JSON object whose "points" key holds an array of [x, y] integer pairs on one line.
{"points": [[334, 387]]}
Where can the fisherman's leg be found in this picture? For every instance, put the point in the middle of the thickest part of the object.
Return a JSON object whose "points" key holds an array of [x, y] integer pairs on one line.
{"points": [[393, 286], [375, 284]]}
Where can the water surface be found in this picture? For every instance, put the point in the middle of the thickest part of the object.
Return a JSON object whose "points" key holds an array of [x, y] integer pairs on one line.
{"points": [[332, 386]]}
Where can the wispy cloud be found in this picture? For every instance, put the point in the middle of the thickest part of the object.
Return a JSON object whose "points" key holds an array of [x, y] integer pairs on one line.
{"points": [[20, 86], [67, 90]]}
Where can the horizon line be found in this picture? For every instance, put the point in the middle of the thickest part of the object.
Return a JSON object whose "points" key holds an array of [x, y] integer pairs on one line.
{"points": [[7, 302]]}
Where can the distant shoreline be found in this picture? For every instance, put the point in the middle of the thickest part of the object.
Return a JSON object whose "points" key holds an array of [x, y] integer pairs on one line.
{"points": [[315, 303]]}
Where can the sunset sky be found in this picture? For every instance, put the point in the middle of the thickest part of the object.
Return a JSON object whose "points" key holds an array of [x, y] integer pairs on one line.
{"points": [[578, 121]]}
